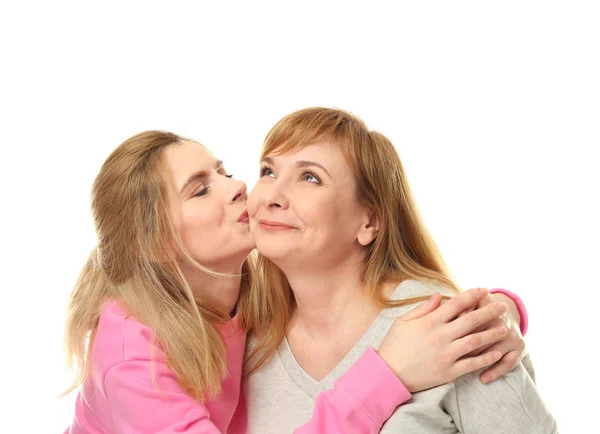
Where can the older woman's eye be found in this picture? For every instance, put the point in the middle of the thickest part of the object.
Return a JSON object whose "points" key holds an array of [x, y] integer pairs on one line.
{"points": [[266, 171], [311, 177]]}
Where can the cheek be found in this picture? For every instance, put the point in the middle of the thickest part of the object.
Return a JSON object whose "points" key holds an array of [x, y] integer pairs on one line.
{"points": [[321, 209], [316, 211], [198, 221], [336, 218], [254, 200]]}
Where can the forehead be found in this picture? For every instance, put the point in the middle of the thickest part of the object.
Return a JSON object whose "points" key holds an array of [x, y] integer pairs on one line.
{"points": [[321, 152], [185, 158]]}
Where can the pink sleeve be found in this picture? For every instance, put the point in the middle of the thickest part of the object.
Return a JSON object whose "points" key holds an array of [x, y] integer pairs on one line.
{"points": [[138, 407], [362, 400], [520, 307]]}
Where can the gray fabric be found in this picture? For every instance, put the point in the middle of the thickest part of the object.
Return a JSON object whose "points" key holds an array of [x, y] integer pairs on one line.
{"points": [[280, 396]]}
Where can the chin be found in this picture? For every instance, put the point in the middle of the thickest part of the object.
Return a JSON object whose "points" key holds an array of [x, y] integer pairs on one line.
{"points": [[275, 251], [232, 257]]}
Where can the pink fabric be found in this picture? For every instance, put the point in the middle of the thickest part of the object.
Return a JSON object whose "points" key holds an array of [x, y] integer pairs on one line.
{"points": [[120, 396], [520, 307], [362, 400]]}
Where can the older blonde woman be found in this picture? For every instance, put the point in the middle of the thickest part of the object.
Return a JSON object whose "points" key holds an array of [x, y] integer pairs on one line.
{"points": [[345, 253]]}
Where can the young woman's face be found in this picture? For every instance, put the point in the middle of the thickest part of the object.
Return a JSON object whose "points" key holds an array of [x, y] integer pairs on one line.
{"points": [[211, 207], [304, 207]]}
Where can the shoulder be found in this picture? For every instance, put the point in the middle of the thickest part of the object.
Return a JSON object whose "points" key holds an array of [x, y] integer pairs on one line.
{"points": [[416, 288], [121, 337], [408, 289]]}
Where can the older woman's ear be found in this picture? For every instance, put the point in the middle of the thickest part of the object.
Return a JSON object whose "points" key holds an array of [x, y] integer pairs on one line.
{"points": [[369, 229]]}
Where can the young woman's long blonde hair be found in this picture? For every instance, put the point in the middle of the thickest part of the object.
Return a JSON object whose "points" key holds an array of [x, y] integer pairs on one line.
{"points": [[136, 262], [403, 248]]}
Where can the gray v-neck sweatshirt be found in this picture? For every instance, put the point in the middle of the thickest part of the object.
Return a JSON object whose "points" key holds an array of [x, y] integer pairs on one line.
{"points": [[280, 396]]}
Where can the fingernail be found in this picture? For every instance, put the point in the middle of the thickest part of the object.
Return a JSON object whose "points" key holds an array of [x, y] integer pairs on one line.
{"points": [[496, 355], [482, 291], [486, 379], [502, 330], [502, 307]]}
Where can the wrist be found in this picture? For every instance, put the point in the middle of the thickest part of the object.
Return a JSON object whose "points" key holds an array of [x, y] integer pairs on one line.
{"points": [[389, 358]]}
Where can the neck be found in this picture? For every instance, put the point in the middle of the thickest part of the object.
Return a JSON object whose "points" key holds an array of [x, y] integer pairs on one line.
{"points": [[330, 304], [224, 292]]}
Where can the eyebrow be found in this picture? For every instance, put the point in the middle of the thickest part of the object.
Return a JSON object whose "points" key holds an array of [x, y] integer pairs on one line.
{"points": [[199, 175], [300, 163]]}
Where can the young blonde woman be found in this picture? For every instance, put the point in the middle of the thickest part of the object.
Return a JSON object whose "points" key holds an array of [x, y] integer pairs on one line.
{"points": [[344, 253], [157, 321]]}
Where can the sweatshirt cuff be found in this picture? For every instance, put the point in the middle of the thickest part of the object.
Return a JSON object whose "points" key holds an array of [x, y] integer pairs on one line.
{"points": [[520, 307], [375, 385]]}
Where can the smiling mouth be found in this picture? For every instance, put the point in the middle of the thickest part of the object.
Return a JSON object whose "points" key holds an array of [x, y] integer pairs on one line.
{"points": [[274, 226]]}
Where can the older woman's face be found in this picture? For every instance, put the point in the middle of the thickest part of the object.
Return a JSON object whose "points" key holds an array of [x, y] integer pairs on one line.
{"points": [[304, 209]]}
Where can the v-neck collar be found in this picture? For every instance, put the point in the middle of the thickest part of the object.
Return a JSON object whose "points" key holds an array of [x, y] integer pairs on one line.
{"points": [[371, 337]]}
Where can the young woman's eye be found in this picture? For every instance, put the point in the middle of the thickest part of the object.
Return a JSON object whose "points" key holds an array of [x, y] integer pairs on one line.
{"points": [[265, 171], [201, 192], [311, 177], [229, 176]]}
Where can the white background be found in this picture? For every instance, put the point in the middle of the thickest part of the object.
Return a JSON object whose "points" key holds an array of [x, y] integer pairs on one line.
{"points": [[493, 106]]}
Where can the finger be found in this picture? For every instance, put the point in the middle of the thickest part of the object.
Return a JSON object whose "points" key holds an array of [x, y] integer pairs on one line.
{"points": [[511, 342], [479, 350], [472, 364], [506, 364], [470, 322], [468, 344], [464, 312], [498, 322], [468, 299], [424, 308]]}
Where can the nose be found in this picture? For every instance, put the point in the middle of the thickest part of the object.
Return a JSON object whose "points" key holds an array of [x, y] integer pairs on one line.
{"points": [[239, 191], [276, 197]]}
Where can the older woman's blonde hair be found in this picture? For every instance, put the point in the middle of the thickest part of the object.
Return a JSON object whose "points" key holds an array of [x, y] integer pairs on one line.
{"points": [[137, 261], [403, 248]]}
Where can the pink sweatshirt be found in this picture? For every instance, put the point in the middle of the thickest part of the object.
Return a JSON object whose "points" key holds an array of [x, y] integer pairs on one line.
{"points": [[119, 395]]}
